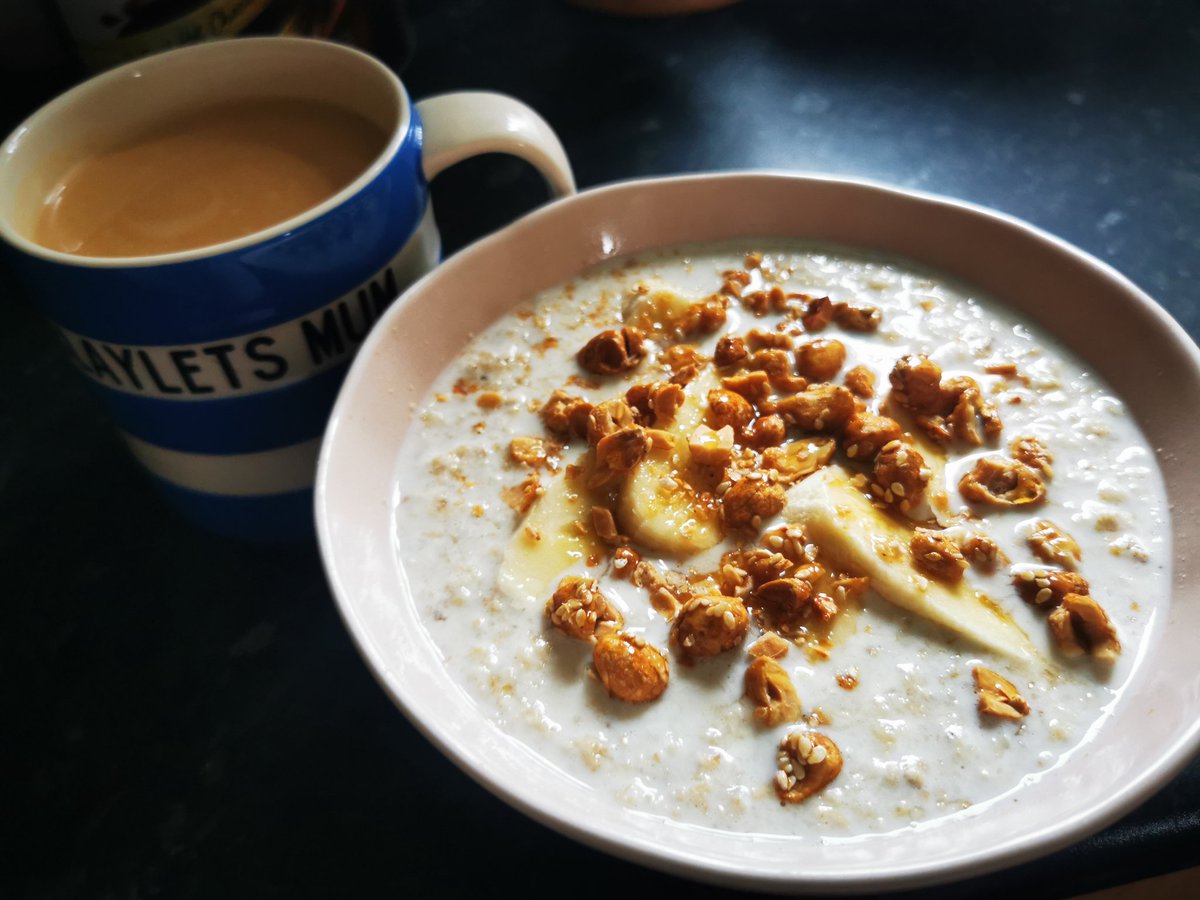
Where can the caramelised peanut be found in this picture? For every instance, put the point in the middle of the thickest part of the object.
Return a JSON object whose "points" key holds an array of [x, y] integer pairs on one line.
{"points": [[967, 406], [1033, 453], [769, 645], [744, 571], [1047, 587], [579, 609], [778, 364], [823, 407], [710, 625], [711, 448], [751, 501], [769, 688], [856, 318], [730, 351], [728, 408], [900, 475], [754, 386], [764, 432], [625, 561], [999, 481], [963, 419], [1080, 626], [866, 434], [978, 549], [997, 695], [937, 555], [612, 352], [703, 317], [565, 415], [800, 458], [818, 314], [605, 525], [783, 600], [1053, 545], [618, 453], [757, 339], [629, 668], [535, 452], [861, 382], [605, 418], [821, 359], [520, 497], [805, 763], [655, 402], [917, 384]]}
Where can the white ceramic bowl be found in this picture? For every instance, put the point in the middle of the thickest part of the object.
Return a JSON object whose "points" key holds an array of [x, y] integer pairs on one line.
{"points": [[1102, 317]]}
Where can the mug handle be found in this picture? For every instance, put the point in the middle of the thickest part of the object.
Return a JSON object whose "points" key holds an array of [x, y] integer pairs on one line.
{"points": [[468, 123]]}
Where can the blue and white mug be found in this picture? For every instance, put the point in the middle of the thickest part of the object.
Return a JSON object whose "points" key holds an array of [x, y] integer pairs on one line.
{"points": [[220, 365]]}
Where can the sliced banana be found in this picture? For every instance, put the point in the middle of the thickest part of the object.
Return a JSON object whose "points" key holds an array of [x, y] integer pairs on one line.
{"points": [[548, 541], [858, 538], [655, 308], [659, 508]]}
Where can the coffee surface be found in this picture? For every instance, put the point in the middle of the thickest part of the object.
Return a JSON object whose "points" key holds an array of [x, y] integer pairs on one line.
{"points": [[206, 177]]}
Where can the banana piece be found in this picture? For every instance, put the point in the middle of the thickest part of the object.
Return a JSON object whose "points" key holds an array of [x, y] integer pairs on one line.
{"points": [[658, 505], [659, 508], [656, 310], [858, 538], [548, 542]]}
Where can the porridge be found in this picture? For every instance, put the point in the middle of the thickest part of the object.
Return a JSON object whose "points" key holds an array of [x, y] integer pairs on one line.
{"points": [[796, 540]]}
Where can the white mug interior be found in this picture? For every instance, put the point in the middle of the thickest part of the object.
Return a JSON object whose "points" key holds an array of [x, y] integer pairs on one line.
{"points": [[113, 107]]}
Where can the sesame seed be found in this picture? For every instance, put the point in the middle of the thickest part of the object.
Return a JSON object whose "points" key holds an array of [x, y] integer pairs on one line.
{"points": [[818, 755], [897, 489], [775, 541], [852, 451], [756, 522], [1026, 576], [781, 780], [729, 620], [1043, 595]]}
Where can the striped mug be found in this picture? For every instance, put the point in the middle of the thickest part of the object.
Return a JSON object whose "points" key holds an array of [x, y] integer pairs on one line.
{"points": [[220, 365]]}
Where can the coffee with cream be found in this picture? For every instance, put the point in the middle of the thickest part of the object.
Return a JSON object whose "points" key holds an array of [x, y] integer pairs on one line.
{"points": [[206, 177]]}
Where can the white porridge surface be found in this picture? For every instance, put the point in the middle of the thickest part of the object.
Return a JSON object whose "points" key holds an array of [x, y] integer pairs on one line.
{"points": [[892, 690]]}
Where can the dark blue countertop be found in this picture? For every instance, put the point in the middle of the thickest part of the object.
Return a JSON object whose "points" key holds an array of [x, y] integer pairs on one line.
{"points": [[186, 716]]}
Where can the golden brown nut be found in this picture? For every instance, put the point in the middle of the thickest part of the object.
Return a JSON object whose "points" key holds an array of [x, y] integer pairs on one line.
{"points": [[728, 408], [857, 318], [769, 688], [861, 382], [605, 525], [754, 386], [818, 315], [784, 600], [711, 448], [625, 561], [900, 475], [629, 668], [655, 402], [565, 415], [751, 501], [769, 645], [764, 432], [730, 351], [1079, 626], [612, 352], [799, 459], [757, 339], [1053, 545], [997, 695], [821, 359], [999, 481], [805, 763], [778, 364], [822, 407], [710, 625], [608, 417], [744, 571], [937, 555], [618, 453], [917, 384], [963, 419], [1046, 587], [1033, 453], [535, 452], [579, 609], [522, 496], [866, 434], [978, 549], [704, 317]]}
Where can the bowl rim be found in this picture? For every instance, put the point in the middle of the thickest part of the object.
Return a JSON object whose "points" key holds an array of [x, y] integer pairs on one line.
{"points": [[968, 864]]}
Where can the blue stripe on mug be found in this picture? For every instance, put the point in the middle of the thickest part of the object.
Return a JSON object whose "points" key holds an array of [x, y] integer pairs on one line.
{"points": [[233, 425], [209, 298]]}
